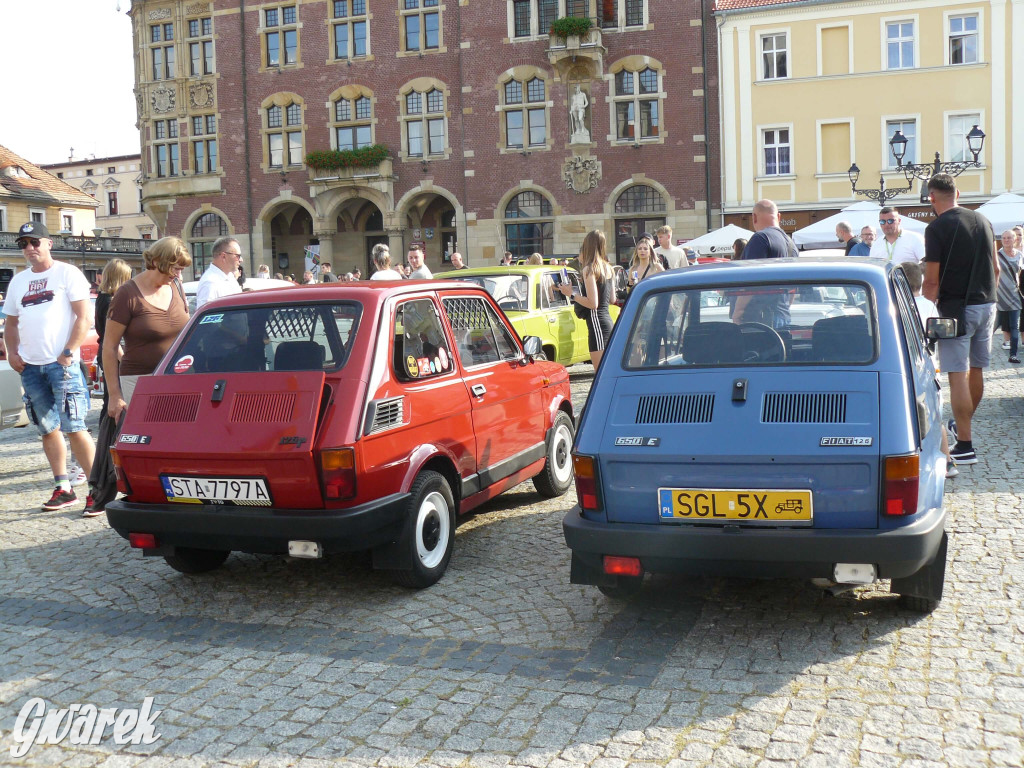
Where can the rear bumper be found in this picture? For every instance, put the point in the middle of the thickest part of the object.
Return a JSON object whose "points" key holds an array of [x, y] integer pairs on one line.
{"points": [[751, 552], [261, 529]]}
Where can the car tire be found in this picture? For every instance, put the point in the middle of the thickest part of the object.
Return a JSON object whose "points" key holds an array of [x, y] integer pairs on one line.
{"points": [[918, 604], [189, 560], [625, 587], [429, 534], [556, 477]]}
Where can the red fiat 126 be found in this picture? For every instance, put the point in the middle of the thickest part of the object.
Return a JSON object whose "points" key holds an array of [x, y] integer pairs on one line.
{"points": [[358, 416]]}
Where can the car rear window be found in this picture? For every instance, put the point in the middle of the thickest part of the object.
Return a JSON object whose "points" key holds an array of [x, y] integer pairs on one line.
{"points": [[311, 337], [756, 324]]}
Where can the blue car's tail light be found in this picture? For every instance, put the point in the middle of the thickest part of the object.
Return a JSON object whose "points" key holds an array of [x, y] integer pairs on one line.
{"points": [[902, 478], [585, 468]]}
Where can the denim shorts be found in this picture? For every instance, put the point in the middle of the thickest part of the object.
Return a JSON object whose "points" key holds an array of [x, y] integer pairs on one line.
{"points": [[56, 397], [972, 350]]}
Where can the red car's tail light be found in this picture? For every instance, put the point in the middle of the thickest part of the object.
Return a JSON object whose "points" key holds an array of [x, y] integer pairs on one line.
{"points": [[122, 479], [623, 566], [902, 474], [338, 473], [142, 541], [586, 482]]}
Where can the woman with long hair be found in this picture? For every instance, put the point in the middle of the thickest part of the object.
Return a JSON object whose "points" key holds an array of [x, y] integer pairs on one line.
{"points": [[643, 262], [599, 291], [147, 312], [381, 255]]}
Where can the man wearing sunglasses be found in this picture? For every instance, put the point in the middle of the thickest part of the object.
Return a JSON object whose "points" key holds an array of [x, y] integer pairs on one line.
{"points": [[48, 316], [896, 244]]}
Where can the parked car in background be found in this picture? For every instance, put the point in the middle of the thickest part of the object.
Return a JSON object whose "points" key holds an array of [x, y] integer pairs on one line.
{"points": [[527, 294], [249, 284], [802, 442], [350, 416]]}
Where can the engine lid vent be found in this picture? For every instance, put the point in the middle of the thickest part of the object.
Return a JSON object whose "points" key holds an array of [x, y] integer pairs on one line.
{"points": [[261, 407], [803, 408], [385, 414], [675, 409], [176, 408]]}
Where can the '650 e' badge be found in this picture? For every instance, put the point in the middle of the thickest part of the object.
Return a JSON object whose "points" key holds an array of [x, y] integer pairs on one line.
{"points": [[639, 442], [845, 441]]}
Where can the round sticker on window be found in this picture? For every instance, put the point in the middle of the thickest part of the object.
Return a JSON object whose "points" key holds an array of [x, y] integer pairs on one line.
{"points": [[435, 365], [412, 366], [183, 363], [442, 355]]}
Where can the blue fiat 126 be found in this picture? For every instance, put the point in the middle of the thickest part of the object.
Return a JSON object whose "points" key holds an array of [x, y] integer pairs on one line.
{"points": [[775, 418]]}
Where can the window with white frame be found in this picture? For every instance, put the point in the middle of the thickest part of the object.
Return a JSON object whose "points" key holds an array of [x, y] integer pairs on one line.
{"points": [[3, 219], [615, 14], [963, 39], [67, 219], [37, 215], [204, 144], [421, 25], [161, 51], [909, 129], [959, 127], [200, 46], [165, 148], [423, 122], [280, 36], [112, 203], [899, 44], [353, 122], [533, 17], [777, 148], [637, 102], [283, 128], [350, 28], [774, 56], [524, 108]]}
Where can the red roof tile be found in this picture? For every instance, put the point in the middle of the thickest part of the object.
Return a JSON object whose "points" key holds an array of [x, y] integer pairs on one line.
{"points": [[735, 5], [37, 185]]}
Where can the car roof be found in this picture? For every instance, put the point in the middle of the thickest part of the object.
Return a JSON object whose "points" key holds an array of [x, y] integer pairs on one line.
{"points": [[829, 268], [514, 269]]}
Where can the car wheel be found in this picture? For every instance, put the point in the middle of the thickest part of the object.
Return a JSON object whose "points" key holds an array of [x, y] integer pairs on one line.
{"points": [[556, 477], [625, 588], [429, 534], [188, 560], [918, 604]]}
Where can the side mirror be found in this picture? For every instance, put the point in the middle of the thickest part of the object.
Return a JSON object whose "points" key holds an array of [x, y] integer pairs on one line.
{"points": [[533, 346], [940, 328]]}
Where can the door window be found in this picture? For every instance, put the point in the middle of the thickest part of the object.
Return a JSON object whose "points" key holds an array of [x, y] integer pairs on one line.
{"points": [[421, 348], [480, 334]]}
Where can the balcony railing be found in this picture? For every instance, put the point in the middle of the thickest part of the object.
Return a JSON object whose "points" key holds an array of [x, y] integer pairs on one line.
{"points": [[79, 245]]}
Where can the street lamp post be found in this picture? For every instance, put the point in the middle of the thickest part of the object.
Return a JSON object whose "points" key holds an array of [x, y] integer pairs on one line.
{"points": [[880, 195]]}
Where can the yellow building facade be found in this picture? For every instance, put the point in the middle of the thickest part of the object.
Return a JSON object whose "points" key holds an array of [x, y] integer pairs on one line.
{"points": [[809, 88]]}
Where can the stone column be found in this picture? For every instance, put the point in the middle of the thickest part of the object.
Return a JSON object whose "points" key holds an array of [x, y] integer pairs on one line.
{"points": [[327, 249], [396, 244]]}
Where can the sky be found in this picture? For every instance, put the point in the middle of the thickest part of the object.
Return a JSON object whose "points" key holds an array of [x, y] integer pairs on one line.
{"points": [[67, 79]]}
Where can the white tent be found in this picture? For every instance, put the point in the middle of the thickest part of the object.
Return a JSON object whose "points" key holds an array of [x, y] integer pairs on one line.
{"points": [[1004, 211], [719, 241], [822, 234]]}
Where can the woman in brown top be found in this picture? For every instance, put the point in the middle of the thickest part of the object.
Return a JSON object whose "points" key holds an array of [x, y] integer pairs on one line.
{"points": [[147, 312]]}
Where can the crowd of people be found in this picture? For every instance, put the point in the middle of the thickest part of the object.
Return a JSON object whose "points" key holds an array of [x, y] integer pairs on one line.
{"points": [[956, 270]]}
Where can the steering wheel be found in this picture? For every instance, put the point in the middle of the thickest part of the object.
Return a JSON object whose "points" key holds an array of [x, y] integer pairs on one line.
{"points": [[762, 344]]}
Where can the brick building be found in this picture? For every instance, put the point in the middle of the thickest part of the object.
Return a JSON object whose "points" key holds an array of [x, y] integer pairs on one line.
{"points": [[498, 134]]}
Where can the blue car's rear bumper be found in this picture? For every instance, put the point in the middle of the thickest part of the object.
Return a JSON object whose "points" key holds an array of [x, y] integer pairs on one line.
{"points": [[751, 552]]}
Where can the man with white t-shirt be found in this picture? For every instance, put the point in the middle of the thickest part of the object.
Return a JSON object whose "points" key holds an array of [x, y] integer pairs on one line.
{"points": [[221, 277], [896, 244], [673, 254], [48, 316]]}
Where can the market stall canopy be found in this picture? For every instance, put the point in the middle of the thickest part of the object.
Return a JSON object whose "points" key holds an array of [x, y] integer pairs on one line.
{"points": [[719, 241], [822, 234], [1004, 211]]}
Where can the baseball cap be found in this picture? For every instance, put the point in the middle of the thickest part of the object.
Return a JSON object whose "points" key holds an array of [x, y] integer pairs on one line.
{"points": [[33, 229], [647, 236]]}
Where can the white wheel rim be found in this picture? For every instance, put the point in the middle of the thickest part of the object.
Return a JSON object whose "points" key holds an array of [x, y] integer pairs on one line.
{"points": [[561, 454], [433, 528]]}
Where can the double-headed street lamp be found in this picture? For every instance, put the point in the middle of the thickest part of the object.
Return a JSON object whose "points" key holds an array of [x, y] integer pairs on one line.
{"points": [[924, 171], [81, 243]]}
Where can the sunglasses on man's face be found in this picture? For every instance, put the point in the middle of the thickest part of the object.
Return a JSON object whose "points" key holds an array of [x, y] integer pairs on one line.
{"points": [[24, 243], [887, 221]]}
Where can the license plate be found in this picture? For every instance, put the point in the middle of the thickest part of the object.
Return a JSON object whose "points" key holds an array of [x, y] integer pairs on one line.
{"points": [[763, 507], [244, 491]]}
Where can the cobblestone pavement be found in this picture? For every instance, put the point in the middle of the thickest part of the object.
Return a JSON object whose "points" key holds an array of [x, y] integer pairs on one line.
{"points": [[273, 662]]}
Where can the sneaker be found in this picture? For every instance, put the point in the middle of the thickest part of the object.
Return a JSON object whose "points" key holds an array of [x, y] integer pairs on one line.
{"points": [[60, 499], [91, 509], [1006, 345], [951, 470], [1014, 359], [76, 476], [963, 455], [951, 428]]}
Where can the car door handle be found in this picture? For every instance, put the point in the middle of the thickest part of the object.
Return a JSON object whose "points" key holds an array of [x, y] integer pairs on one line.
{"points": [[552, 319], [478, 389]]}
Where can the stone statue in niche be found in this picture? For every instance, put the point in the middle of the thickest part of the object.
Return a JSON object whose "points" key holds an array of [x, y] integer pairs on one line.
{"points": [[578, 117]]}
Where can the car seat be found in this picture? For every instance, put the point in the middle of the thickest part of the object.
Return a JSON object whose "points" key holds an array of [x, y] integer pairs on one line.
{"points": [[844, 339], [713, 343], [299, 356]]}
